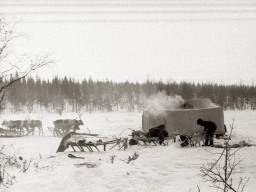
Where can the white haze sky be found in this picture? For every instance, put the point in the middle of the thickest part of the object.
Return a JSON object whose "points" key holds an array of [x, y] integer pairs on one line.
{"points": [[186, 40]]}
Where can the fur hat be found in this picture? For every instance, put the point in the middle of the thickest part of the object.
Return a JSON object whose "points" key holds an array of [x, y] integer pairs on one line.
{"points": [[199, 121]]}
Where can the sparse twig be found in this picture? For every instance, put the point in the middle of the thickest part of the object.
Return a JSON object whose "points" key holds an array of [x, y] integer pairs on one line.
{"points": [[51, 157], [25, 166], [112, 158], [133, 158], [131, 129], [88, 129], [121, 132], [221, 177]]}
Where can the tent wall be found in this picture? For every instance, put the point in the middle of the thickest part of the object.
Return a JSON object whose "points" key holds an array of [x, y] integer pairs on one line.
{"points": [[185, 121]]}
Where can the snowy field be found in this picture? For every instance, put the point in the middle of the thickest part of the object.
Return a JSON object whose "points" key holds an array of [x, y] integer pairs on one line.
{"points": [[158, 168]]}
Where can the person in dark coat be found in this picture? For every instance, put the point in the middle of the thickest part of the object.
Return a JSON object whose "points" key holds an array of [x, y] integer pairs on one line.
{"points": [[209, 129], [159, 131]]}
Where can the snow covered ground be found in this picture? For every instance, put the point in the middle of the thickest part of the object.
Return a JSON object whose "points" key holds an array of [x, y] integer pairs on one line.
{"points": [[158, 168]]}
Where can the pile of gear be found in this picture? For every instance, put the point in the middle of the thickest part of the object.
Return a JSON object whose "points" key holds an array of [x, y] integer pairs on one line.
{"points": [[154, 135]]}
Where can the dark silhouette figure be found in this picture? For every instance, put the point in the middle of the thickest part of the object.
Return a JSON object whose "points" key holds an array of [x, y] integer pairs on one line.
{"points": [[209, 129], [159, 131]]}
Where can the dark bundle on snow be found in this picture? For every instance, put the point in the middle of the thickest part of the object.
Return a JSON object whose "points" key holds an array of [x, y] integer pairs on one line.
{"points": [[159, 131]]}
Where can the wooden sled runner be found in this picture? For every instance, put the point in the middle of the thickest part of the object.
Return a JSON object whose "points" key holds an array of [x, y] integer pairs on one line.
{"points": [[90, 142], [10, 133]]}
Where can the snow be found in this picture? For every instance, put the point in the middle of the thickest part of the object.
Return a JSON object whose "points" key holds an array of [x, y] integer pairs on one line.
{"points": [[158, 168]]}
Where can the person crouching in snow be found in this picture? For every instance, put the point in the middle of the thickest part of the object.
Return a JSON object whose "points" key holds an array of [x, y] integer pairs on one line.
{"points": [[209, 129]]}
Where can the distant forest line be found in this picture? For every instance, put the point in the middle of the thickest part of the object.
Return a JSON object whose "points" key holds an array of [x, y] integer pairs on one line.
{"points": [[69, 95]]}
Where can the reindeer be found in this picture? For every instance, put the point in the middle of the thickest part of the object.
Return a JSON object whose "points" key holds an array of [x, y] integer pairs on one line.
{"points": [[30, 125], [16, 125], [64, 126]]}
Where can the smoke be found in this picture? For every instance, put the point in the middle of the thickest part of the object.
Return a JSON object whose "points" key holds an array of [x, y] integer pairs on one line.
{"points": [[203, 103], [160, 102]]}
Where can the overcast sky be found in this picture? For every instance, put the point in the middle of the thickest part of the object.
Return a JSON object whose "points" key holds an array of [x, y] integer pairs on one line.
{"points": [[119, 40]]}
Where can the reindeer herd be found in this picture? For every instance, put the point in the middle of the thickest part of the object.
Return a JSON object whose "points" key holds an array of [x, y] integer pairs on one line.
{"points": [[34, 127]]}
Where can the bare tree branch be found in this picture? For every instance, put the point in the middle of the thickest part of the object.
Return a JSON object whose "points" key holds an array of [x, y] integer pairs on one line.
{"points": [[40, 62], [221, 178], [10, 71]]}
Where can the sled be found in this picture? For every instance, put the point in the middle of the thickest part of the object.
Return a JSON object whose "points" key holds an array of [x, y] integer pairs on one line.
{"points": [[141, 137], [154, 140], [90, 142], [10, 133]]}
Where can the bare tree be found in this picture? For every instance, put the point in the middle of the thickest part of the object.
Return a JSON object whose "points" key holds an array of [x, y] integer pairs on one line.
{"points": [[12, 68], [221, 175]]}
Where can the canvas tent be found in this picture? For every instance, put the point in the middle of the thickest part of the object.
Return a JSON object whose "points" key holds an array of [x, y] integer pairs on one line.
{"points": [[183, 120]]}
